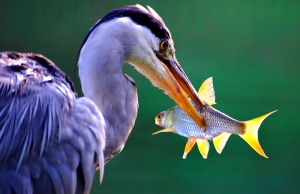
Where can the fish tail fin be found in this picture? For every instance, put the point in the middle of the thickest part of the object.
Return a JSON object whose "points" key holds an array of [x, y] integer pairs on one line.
{"points": [[251, 133], [164, 130]]}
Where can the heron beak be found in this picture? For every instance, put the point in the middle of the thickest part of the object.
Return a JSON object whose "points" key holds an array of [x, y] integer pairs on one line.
{"points": [[179, 88]]}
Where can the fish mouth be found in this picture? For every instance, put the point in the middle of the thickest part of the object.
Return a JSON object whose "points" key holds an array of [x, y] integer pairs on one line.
{"points": [[180, 89]]}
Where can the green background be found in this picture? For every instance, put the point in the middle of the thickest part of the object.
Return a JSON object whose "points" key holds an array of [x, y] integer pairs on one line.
{"points": [[250, 48]]}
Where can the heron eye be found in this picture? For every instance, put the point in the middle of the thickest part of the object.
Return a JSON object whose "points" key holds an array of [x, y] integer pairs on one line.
{"points": [[164, 44]]}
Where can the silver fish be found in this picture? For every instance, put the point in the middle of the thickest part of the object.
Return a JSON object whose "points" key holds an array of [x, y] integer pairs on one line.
{"points": [[218, 126]]}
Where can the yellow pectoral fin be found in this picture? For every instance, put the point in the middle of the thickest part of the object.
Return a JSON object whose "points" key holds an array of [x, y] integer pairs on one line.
{"points": [[203, 147], [189, 145], [220, 141], [207, 92], [163, 130]]}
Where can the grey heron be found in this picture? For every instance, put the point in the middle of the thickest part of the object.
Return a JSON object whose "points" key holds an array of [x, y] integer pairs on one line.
{"points": [[53, 142]]}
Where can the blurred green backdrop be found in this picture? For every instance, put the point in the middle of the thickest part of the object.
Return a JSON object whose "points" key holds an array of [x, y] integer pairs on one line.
{"points": [[251, 48]]}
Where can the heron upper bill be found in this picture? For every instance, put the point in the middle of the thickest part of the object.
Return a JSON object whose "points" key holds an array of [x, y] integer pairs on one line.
{"points": [[180, 87]]}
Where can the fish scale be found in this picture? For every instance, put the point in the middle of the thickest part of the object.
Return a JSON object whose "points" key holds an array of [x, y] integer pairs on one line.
{"points": [[216, 122]]}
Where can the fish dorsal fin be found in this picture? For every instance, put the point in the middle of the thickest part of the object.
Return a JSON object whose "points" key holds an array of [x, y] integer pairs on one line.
{"points": [[220, 141], [203, 147], [207, 92]]}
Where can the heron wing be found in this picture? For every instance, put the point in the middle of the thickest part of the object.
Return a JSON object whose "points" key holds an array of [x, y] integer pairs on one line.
{"points": [[49, 140]]}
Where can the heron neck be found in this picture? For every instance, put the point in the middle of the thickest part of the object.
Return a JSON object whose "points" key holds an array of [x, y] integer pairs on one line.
{"points": [[103, 82]]}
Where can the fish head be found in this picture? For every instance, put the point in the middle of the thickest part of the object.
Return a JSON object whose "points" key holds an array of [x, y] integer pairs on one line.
{"points": [[165, 118]]}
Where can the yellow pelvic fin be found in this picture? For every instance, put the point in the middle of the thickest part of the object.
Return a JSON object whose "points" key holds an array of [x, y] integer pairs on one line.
{"points": [[207, 92], [164, 130], [189, 145], [250, 134], [220, 141], [203, 147]]}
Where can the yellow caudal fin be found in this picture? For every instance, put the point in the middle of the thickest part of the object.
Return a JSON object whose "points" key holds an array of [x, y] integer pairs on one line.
{"points": [[220, 141], [207, 92], [188, 147], [163, 130], [250, 135], [203, 147]]}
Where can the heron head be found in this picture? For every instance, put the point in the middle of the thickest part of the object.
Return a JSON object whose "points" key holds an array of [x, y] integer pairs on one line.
{"points": [[141, 38], [153, 55]]}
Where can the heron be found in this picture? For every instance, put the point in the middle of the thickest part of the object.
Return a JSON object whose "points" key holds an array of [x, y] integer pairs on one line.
{"points": [[51, 140]]}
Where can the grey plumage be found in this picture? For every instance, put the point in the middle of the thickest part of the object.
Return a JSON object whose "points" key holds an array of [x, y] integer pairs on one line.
{"points": [[49, 140], [52, 142]]}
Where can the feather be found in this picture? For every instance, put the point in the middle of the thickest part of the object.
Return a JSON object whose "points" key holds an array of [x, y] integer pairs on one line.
{"points": [[49, 140]]}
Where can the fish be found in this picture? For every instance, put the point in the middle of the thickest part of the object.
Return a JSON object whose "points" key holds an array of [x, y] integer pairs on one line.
{"points": [[218, 126]]}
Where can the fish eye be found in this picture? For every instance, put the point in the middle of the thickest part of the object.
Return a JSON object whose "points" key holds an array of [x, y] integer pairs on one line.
{"points": [[159, 116], [164, 44]]}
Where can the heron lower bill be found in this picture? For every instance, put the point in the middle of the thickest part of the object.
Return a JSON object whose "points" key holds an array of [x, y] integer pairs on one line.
{"points": [[179, 88]]}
